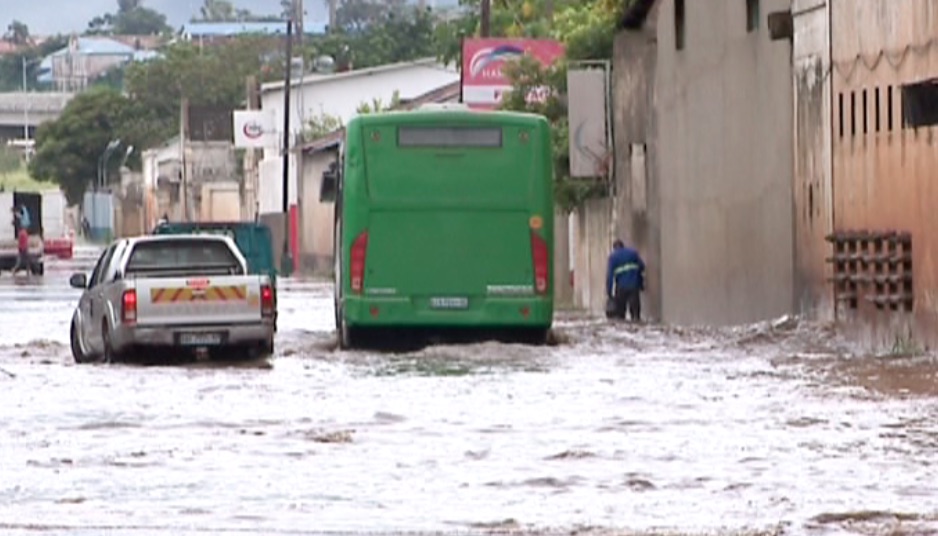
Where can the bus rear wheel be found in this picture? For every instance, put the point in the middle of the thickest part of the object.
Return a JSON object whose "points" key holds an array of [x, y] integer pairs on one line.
{"points": [[348, 336]]}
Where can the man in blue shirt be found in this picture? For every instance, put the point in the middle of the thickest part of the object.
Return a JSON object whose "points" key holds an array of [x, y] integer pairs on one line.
{"points": [[625, 279]]}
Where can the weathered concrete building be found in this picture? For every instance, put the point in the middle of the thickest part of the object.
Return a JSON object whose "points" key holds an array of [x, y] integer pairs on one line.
{"points": [[865, 157], [703, 137]]}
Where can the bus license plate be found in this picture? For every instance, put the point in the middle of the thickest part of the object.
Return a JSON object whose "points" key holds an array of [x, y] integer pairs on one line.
{"points": [[200, 339], [449, 303]]}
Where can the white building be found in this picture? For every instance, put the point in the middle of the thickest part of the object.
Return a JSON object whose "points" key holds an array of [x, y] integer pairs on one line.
{"points": [[339, 95], [336, 95]]}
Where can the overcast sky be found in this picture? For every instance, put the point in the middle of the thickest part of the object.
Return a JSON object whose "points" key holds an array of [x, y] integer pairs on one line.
{"points": [[64, 16]]}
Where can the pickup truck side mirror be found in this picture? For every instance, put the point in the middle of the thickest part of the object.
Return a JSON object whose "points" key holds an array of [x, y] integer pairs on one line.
{"points": [[78, 281], [329, 184]]}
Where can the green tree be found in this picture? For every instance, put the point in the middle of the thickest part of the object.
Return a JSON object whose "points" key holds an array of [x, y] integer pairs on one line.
{"points": [[68, 148], [132, 18], [357, 15], [376, 106], [17, 33], [406, 34], [320, 126], [217, 10], [210, 77], [586, 27], [9, 160]]}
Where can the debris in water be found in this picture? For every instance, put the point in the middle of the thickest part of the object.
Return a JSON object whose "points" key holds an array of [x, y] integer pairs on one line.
{"points": [[340, 436]]}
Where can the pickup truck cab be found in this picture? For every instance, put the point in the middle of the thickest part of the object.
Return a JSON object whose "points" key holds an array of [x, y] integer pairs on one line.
{"points": [[174, 295]]}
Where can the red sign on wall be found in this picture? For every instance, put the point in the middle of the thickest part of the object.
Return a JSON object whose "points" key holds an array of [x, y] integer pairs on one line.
{"points": [[483, 82]]}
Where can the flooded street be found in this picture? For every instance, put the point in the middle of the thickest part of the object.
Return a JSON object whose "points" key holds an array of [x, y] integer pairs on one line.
{"points": [[771, 428]]}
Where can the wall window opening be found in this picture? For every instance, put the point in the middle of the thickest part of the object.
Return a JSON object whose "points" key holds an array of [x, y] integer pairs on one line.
{"points": [[876, 108], [865, 114], [920, 104], [889, 113], [853, 113], [840, 113], [752, 15], [679, 24]]}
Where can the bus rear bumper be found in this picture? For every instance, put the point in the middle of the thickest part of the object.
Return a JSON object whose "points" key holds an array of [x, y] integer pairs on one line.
{"points": [[527, 312]]}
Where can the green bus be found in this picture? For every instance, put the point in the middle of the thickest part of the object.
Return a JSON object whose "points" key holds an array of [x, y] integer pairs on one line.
{"points": [[444, 220]]}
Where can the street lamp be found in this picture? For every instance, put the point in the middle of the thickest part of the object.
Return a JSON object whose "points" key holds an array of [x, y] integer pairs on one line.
{"points": [[26, 99], [130, 149], [102, 162]]}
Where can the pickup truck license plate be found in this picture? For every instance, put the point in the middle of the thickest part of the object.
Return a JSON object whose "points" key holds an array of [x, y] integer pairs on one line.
{"points": [[200, 339], [449, 303]]}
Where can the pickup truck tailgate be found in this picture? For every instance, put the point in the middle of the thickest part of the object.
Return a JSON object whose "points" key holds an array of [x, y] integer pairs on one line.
{"points": [[198, 300]]}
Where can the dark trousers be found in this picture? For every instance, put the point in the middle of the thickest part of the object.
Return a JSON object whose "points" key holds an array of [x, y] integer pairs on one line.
{"points": [[627, 300]]}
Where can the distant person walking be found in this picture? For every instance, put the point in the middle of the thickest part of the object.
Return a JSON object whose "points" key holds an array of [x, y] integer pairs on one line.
{"points": [[625, 280], [22, 214], [22, 247]]}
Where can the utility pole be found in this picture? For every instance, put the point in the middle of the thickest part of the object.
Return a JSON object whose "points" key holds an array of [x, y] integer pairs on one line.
{"points": [[298, 15], [333, 10], [183, 147], [250, 204], [286, 263], [486, 16]]}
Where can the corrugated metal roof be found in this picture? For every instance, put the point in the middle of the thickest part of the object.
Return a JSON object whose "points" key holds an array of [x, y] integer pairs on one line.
{"points": [[314, 78], [103, 46]]}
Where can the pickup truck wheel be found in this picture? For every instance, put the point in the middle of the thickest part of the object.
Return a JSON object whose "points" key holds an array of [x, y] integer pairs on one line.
{"points": [[77, 353], [109, 355]]}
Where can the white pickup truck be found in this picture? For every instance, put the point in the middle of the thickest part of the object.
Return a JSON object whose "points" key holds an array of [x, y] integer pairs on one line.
{"points": [[172, 296]]}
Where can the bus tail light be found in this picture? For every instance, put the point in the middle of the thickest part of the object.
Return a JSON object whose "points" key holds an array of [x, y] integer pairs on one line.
{"points": [[129, 307], [357, 264], [541, 261], [267, 301]]}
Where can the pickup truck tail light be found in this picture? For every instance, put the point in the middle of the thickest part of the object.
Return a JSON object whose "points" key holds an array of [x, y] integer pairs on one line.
{"points": [[267, 301], [129, 307]]}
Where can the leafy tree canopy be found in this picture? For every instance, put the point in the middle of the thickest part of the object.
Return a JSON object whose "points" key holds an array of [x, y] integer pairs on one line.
{"points": [[17, 33], [68, 149], [213, 76], [225, 11], [587, 29], [396, 35], [132, 18]]}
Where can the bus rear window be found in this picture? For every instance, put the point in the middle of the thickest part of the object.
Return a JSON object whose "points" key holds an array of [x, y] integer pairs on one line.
{"points": [[449, 137]]}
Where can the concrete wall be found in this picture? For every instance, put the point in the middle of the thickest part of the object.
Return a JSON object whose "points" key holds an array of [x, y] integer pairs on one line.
{"points": [[635, 57], [725, 166], [316, 218], [593, 230], [221, 201], [563, 290], [813, 180], [205, 162], [883, 170]]}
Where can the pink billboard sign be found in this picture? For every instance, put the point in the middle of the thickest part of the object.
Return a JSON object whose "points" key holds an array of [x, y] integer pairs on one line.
{"points": [[483, 82]]}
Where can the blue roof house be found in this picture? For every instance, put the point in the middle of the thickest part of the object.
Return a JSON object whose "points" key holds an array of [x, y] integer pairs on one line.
{"points": [[84, 59]]}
